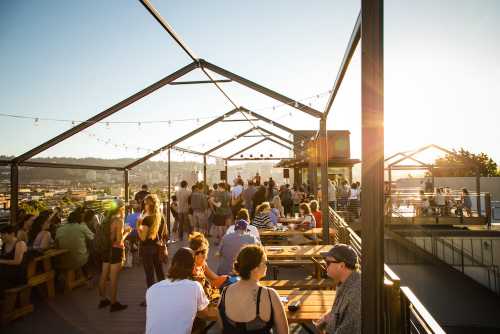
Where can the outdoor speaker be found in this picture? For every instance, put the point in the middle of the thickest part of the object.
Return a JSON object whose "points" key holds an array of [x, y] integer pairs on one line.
{"points": [[286, 173], [222, 174]]}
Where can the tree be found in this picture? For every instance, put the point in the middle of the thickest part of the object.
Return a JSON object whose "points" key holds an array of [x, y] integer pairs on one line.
{"points": [[465, 163]]}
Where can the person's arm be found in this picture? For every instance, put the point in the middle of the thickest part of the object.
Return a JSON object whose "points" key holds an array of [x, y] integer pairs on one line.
{"points": [[89, 235], [210, 274], [18, 255], [280, 321], [45, 243]]}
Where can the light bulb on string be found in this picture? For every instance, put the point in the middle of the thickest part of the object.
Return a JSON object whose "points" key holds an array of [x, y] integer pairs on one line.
{"points": [[107, 125], [139, 124], [296, 104], [169, 123], [36, 121]]}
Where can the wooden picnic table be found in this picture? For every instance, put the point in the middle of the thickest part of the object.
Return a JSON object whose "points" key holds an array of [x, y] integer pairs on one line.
{"points": [[290, 220], [313, 304], [38, 275], [296, 252], [302, 284], [317, 231]]}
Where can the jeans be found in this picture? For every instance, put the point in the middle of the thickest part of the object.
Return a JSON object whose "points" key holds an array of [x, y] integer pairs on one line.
{"points": [[184, 225], [152, 264]]}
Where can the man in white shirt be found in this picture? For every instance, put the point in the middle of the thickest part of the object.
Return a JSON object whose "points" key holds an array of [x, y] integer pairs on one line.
{"points": [[183, 195], [244, 215], [174, 303]]}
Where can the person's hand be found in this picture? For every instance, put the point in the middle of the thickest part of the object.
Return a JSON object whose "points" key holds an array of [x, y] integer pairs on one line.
{"points": [[127, 229]]}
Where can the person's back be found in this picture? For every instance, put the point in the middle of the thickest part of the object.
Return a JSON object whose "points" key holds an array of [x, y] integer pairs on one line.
{"points": [[73, 236], [183, 195], [131, 221], [172, 306], [262, 220], [199, 201], [229, 248]]}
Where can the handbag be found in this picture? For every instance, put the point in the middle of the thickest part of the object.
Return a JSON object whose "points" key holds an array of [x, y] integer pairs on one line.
{"points": [[162, 245]]}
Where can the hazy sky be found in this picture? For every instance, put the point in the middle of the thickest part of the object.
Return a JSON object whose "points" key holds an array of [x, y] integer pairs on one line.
{"points": [[73, 59]]}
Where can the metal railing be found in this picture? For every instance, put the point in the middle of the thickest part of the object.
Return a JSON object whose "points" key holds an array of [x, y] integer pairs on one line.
{"points": [[404, 313], [464, 253]]}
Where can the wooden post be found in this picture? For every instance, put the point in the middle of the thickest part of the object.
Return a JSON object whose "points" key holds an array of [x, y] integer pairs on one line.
{"points": [[169, 192], [372, 205], [323, 159], [125, 181], [478, 191]]}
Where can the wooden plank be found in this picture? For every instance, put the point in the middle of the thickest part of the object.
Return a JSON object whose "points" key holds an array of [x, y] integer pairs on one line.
{"points": [[297, 252]]}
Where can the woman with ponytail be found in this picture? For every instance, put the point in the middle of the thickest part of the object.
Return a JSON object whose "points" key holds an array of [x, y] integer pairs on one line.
{"points": [[150, 228]]}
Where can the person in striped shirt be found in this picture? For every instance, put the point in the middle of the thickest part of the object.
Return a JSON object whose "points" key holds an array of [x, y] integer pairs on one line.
{"points": [[262, 218]]}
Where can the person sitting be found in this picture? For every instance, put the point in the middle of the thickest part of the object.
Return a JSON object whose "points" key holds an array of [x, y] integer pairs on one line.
{"points": [[202, 273], [239, 300], [466, 202], [243, 214], [12, 260], [73, 236], [36, 227], [262, 219], [25, 227], [342, 266], [318, 216], [174, 302], [43, 239], [308, 220], [231, 245], [277, 210]]}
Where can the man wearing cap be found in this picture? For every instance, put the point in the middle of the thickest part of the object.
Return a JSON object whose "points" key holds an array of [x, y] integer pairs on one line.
{"points": [[231, 244], [342, 267]]}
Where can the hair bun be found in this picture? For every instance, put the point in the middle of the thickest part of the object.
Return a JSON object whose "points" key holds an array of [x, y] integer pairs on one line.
{"points": [[236, 266]]}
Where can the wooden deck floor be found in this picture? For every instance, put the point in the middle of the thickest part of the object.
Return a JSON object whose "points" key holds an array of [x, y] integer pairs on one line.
{"points": [[77, 312]]}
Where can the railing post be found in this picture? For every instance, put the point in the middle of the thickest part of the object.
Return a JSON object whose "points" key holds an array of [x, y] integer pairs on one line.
{"points": [[487, 208]]}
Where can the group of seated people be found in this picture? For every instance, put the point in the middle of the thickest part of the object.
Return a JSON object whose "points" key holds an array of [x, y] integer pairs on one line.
{"points": [[243, 304], [443, 203]]}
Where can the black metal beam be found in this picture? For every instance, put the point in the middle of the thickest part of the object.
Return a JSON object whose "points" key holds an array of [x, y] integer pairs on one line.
{"points": [[229, 141], [180, 139], [69, 166], [275, 135], [372, 169], [255, 159], [14, 193], [126, 184], [261, 89], [241, 120], [270, 121], [196, 82], [246, 148], [349, 52], [108, 112], [169, 29], [281, 144]]}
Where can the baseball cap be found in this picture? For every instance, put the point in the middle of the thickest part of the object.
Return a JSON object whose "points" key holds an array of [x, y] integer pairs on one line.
{"points": [[343, 253], [241, 224]]}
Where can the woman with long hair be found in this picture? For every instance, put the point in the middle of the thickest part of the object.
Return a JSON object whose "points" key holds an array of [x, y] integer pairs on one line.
{"points": [[150, 228], [240, 300]]}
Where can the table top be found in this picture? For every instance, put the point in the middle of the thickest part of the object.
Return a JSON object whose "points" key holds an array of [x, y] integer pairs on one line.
{"points": [[276, 233], [313, 304], [308, 251], [290, 220]]}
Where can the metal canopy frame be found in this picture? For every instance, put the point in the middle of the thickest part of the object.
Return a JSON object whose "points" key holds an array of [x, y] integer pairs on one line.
{"points": [[369, 30]]}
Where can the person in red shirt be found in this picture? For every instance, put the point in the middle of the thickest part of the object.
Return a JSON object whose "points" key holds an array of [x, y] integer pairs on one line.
{"points": [[316, 213]]}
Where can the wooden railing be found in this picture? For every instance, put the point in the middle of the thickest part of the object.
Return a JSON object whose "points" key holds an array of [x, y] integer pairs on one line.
{"points": [[404, 313]]}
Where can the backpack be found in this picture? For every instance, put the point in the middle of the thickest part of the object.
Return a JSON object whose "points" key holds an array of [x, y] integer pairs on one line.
{"points": [[103, 236]]}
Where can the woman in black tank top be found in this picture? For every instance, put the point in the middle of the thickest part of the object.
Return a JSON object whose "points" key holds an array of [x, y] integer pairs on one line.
{"points": [[247, 294]]}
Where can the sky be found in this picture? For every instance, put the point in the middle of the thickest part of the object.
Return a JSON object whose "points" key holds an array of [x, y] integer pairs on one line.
{"points": [[72, 59]]}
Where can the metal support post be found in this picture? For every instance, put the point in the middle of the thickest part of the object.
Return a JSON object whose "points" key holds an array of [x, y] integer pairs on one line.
{"points": [[323, 159], [14, 193], [372, 204], [478, 191], [125, 181], [225, 169], [169, 193], [205, 186]]}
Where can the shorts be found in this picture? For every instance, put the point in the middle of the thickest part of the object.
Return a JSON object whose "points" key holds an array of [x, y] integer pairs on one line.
{"points": [[117, 255]]}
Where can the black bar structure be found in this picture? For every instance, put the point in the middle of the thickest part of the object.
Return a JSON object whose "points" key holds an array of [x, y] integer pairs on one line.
{"points": [[69, 166], [169, 194], [323, 158], [126, 183], [197, 82], [205, 186], [372, 169], [108, 112], [14, 193]]}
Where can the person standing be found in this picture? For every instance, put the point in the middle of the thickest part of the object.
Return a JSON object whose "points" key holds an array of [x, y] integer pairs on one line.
{"points": [[150, 228], [114, 256], [247, 195], [332, 194], [223, 213], [182, 196], [342, 266], [199, 204], [141, 195]]}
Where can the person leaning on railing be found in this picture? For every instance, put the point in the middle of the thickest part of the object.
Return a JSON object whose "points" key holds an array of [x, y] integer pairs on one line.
{"points": [[345, 317]]}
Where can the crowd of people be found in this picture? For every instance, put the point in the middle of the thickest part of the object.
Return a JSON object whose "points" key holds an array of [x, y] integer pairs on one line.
{"points": [[232, 216]]}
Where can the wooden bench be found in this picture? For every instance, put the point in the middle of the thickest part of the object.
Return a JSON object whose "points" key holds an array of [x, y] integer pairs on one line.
{"points": [[41, 274], [16, 303], [304, 284], [73, 278]]}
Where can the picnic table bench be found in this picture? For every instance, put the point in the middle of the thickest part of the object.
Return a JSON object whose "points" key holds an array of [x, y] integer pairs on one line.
{"points": [[39, 275], [281, 236], [313, 304], [303, 284]]}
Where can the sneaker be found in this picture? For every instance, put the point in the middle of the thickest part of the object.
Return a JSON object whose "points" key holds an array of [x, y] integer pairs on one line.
{"points": [[103, 303], [117, 307]]}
